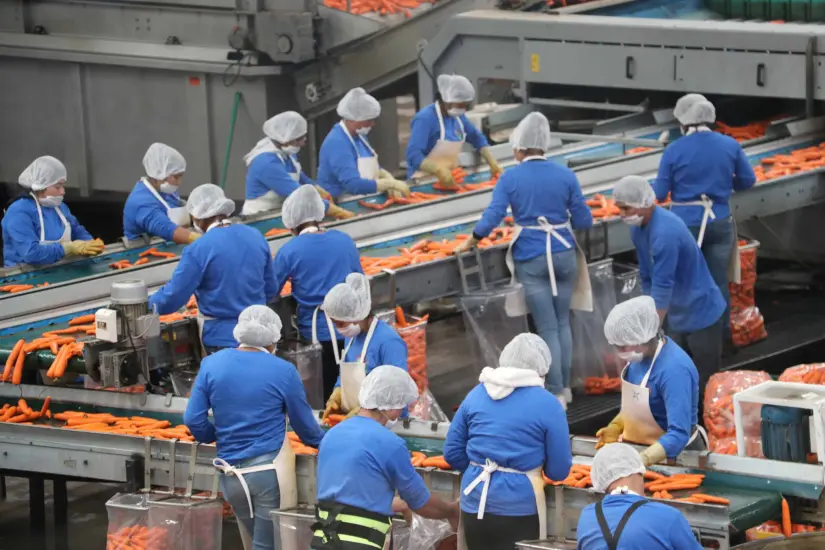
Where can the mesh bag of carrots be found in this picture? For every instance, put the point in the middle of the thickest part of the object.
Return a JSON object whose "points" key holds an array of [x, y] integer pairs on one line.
{"points": [[813, 373], [746, 323], [189, 524], [413, 331], [719, 420]]}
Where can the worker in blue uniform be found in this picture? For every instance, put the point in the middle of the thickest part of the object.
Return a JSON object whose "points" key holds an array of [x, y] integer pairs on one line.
{"points": [[369, 342], [624, 519], [507, 431], [660, 386], [700, 172], [438, 132], [547, 203], [38, 228], [674, 273], [255, 457], [154, 207], [361, 466], [228, 269], [274, 171], [348, 165], [315, 260]]}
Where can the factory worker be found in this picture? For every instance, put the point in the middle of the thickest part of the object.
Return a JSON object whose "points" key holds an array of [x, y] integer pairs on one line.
{"points": [[506, 432], [700, 172], [273, 167], [547, 204], [315, 260], [674, 273], [154, 208], [38, 228], [348, 163], [362, 464], [227, 269], [254, 455], [439, 130], [625, 519], [660, 386], [369, 342]]}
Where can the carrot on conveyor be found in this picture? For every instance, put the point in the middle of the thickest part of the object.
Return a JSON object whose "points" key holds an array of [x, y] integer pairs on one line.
{"points": [[15, 288], [786, 519], [436, 462], [82, 320], [276, 232], [17, 375], [45, 408], [599, 385], [710, 499], [12, 358]]}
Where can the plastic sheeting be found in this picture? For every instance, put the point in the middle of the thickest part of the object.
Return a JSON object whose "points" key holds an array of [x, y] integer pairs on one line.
{"points": [[307, 358], [492, 318]]}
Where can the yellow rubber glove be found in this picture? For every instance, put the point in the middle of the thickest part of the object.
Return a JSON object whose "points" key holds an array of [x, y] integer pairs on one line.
{"points": [[611, 432], [466, 246], [352, 413], [384, 175], [194, 236], [92, 248], [339, 213], [392, 185], [333, 403], [653, 454], [323, 192], [72, 248], [444, 174], [488, 157]]}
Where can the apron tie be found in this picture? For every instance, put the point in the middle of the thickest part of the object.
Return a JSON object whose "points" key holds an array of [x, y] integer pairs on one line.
{"points": [[707, 204], [550, 231], [484, 478], [224, 467]]}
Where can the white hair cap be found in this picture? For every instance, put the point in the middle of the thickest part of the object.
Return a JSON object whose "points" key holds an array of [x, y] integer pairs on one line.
{"points": [[526, 351], [285, 127], [455, 88], [42, 173], [162, 161], [635, 192], [350, 301], [257, 326], [208, 200], [702, 112], [358, 106], [613, 462], [684, 105], [301, 206], [533, 132], [387, 388], [632, 323]]}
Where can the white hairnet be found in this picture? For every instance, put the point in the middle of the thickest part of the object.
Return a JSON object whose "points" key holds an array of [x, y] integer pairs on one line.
{"points": [[42, 173], [533, 132], [349, 301], [702, 112], [455, 88], [635, 192], [358, 106], [285, 127], [257, 326], [526, 351], [387, 388], [632, 323], [162, 161], [208, 200], [301, 206], [613, 462], [684, 105]]}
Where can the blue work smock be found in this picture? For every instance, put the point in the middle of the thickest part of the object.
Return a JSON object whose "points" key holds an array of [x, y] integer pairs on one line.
{"points": [[524, 430], [144, 214], [361, 463], [703, 163], [674, 273], [425, 131], [534, 188], [250, 394], [338, 164], [228, 269], [273, 172], [385, 348], [315, 262]]}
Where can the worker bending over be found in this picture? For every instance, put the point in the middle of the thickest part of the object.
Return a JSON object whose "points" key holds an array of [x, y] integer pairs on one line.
{"points": [[369, 342], [625, 519], [274, 171], [315, 260], [701, 171], [249, 429], [154, 207], [438, 132], [228, 269], [547, 203], [38, 228], [675, 275], [660, 386], [348, 164], [506, 432], [361, 465]]}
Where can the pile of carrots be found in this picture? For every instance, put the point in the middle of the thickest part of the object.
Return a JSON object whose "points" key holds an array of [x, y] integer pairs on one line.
{"points": [[747, 132], [134, 425], [276, 232], [800, 160], [23, 414], [600, 385], [414, 335], [420, 460], [774, 528], [298, 446], [718, 411], [380, 7], [813, 373], [144, 258], [13, 289], [137, 537]]}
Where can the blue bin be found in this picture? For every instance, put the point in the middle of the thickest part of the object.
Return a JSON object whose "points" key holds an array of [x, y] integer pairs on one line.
{"points": [[785, 433]]}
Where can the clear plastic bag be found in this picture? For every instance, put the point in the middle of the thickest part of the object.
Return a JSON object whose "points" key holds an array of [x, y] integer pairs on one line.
{"points": [[425, 534], [718, 415], [128, 515], [188, 524], [427, 408], [746, 322], [308, 360], [813, 373], [293, 528], [491, 323]]}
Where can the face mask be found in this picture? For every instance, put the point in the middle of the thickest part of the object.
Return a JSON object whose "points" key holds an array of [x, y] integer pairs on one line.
{"points": [[350, 331], [291, 149], [635, 220], [456, 111], [390, 422], [51, 202], [364, 130], [630, 356], [197, 228], [168, 188]]}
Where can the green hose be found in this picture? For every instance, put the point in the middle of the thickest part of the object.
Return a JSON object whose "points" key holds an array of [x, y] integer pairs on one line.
{"points": [[229, 139]]}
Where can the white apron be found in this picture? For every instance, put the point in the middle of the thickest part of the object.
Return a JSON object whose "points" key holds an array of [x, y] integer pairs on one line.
{"points": [[271, 200], [352, 372], [201, 318], [367, 166], [445, 152], [179, 215], [66, 237]]}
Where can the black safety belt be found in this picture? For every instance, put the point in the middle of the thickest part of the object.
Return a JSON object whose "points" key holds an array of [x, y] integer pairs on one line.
{"points": [[612, 539]]}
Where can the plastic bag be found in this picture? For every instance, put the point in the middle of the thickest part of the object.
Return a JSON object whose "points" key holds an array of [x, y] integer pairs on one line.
{"points": [[307, 358], [491, 322], [746, 322], [767, 530], [805, 374], [427, 408], [189, 524], [718, 406], [128, 516], [425, 534]]}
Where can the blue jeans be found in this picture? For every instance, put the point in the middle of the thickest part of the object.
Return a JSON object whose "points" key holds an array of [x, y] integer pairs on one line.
{"points": [[551, 314], [716, 248], [266, 496]]}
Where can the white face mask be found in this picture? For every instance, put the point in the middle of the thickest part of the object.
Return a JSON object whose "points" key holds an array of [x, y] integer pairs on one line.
{"points": [[168, 188], [51, 201], [630, 356], [390, 422], [197, 228], [350, 331], [635, 220], [456, 111], [291, 149], [364, 130]]}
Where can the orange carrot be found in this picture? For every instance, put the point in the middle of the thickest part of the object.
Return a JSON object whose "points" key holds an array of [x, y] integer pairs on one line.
{"points": [[82, 320], [17, 376], [710, 499], [786, 519], [45, 408], [12, 358]]}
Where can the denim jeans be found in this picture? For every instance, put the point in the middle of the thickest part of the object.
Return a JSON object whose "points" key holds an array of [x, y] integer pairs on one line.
{"points": [[716, 248], [705, 348], [551, 314], [266, 496]]}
